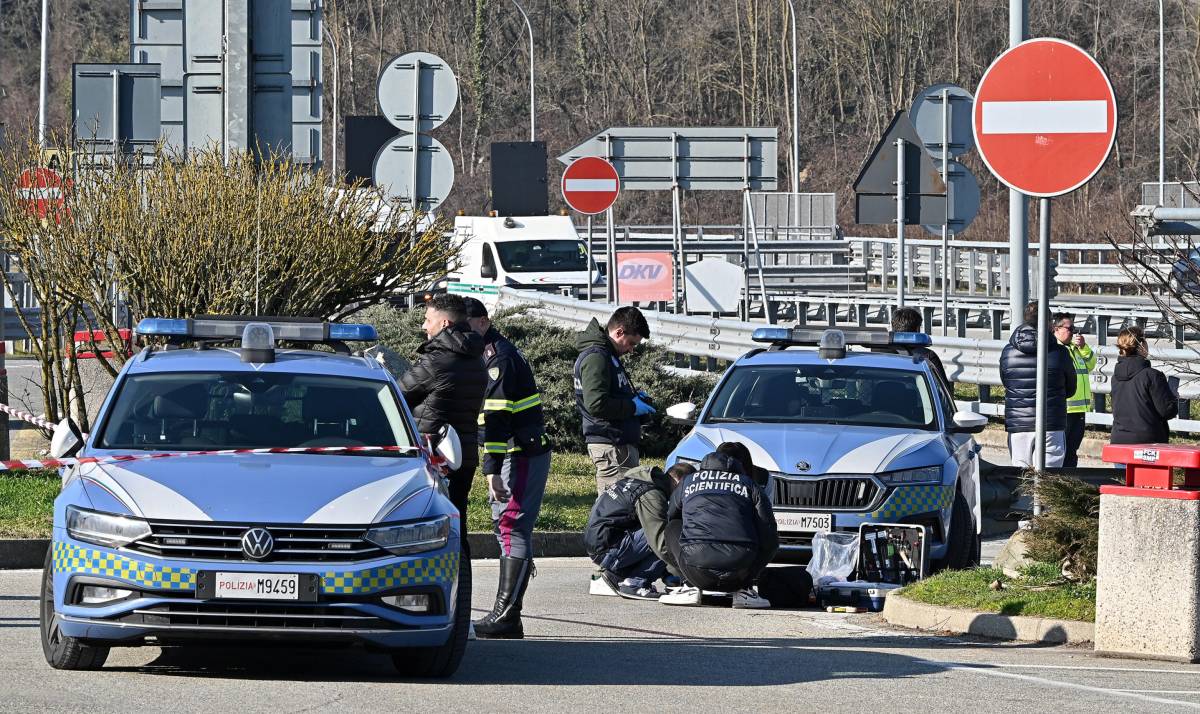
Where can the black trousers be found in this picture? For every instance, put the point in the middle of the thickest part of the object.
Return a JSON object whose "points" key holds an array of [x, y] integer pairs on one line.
{"points": [[1074, 437], [460, 488], [703, 578]]}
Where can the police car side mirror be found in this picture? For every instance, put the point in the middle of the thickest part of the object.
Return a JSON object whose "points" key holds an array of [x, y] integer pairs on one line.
{"points": [[67, 439], [968, 423], [446, 444], [684, 413]]}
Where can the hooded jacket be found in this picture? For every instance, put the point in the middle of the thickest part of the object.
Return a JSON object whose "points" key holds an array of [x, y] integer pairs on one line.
{"points": [[728, 526], [446, 383], [637, 501], [1142, 403], [603, 392], [1018, 373]]}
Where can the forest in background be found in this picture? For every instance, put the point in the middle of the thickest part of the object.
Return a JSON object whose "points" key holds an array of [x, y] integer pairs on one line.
{"points": [[603, 63]]}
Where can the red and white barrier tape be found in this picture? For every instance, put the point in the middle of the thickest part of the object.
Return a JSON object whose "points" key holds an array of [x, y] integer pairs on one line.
{"points": [[27, 464], [26, 416]]}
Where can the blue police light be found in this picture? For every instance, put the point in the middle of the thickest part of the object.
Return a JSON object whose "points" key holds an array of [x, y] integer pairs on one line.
{"points": [[915, 339], [162, 326], [355, 333], [771, 334]]}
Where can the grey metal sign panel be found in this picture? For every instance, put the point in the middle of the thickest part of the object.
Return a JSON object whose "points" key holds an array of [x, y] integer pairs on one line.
{"points": [[713, 285], [272, 114], [156, 23], [394, 169], [695, 158], [878, 209], [926, 116], [963, 203], [878, 174], [14, 330], [417, 77], [203, 106], [117, 107], [1175, 194]]}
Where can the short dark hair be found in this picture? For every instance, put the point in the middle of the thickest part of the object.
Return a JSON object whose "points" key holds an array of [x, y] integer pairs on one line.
{"points": [[631, 320], [737, 450], [452, 306], [1059, 317], [906, 319], [474, 308], [1031, 313], [680, 471]]}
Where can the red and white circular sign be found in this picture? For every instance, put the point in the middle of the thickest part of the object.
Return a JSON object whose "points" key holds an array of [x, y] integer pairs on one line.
{"points": [[40, 190], [590, 185], [1045, 117]]}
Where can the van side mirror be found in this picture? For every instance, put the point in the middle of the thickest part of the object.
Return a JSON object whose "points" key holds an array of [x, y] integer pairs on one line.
{"points": [[67, 439], [487, 270]]}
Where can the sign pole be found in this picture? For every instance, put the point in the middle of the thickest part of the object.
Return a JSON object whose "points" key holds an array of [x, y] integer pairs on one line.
{"points": [[1043, 338], [1018, 203], [611, 257], [416, 136], [900, 223], [949, 205], [589, 257]]}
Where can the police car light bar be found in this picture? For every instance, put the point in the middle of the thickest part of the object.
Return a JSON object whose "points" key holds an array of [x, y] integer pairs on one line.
{"points": [[232, 328], [807, 337]]}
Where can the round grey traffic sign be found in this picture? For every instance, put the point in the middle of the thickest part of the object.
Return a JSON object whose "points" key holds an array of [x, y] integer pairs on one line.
{"points": [[926, 116], [429, 177], [962, 200], [417, 83]]}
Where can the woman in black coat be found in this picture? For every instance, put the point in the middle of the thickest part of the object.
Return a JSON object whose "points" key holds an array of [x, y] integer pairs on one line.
{"points": [[1142, 400]]}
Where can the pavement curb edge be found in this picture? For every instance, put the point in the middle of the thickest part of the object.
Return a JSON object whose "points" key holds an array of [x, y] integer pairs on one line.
{"points": [[903, 612]]}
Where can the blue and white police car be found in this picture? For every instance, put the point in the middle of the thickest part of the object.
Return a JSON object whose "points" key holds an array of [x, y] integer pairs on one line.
{"points": [[351, 547], [849, 437]]}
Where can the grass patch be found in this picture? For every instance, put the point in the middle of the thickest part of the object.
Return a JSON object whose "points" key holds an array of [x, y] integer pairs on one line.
{"points": [[1038, 592], [27, 504], [27, 501]]}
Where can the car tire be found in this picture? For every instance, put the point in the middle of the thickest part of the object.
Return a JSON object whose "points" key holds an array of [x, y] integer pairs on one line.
{"points": [[440, 662], [63, 652], [962, 546]]}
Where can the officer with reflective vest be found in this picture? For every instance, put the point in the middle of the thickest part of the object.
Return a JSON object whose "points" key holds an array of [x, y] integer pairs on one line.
{"points": [[516, 462], [1078, 404]]}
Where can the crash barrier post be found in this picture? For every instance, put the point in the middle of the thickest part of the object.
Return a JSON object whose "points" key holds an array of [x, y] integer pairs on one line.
{"points": [[1148, 579]]}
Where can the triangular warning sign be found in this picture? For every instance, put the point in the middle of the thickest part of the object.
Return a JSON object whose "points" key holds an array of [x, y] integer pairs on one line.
{"points": [[875, 187]]}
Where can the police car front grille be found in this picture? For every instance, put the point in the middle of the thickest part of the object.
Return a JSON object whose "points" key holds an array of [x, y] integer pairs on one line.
{"points": [[257, 616], [223, 541], [850, 493]]}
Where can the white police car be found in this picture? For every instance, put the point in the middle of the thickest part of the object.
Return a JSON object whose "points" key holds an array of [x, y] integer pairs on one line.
{"points": [[352, 545], [849, 437]]}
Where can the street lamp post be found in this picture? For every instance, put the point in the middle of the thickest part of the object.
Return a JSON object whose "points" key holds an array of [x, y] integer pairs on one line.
{"points": [[337, 71], [795, 117], [42, 76], [532, 96], [1162, 106]]}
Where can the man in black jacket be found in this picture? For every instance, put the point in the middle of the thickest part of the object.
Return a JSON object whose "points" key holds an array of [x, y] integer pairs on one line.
{"points": [[445, 386], [721, 531], [605, 397], [1018, 373], [516, 462]]}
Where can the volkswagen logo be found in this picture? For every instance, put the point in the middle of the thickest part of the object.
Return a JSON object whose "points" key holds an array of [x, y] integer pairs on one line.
{"points": [[257, 543], [803, 466]]}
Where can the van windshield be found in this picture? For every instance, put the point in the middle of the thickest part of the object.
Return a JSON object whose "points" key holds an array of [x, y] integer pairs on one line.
{"points": [[543, 256]]}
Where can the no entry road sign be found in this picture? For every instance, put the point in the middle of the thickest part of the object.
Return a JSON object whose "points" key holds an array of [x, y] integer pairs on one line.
{"points": [[41, 191], [590, 185], [1045, 117]]}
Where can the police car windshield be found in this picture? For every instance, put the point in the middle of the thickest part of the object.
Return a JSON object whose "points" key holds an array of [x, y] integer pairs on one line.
{"points": [[543, 256], [825, 394], [190, 411]]}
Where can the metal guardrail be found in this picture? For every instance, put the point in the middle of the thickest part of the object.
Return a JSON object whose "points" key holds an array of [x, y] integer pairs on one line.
{"points": [[967, 360]]}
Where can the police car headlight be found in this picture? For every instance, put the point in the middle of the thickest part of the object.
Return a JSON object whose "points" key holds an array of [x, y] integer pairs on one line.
{"points": [[412, 537], [104, 528], [929, 474]]}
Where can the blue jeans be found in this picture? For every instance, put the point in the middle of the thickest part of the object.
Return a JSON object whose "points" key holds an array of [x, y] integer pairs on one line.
{"points": [[633, 560]]}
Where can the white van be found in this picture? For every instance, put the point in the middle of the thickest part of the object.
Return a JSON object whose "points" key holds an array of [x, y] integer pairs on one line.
{"points": [[532, 252]]}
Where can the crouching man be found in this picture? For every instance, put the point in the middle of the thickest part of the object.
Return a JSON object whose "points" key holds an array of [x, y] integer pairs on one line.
{"points": [[626, 532], [720, 530]]}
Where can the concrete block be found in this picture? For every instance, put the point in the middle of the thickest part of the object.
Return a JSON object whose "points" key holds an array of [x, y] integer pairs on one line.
{"points": [[1148, 584]]}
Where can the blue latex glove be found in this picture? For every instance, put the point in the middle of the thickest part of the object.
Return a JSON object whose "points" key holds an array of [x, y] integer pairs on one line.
{"points": [[644, 397], [640, 408]]}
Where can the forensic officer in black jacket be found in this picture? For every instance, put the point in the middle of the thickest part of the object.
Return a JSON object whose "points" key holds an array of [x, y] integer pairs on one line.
{"points": [[445, 386], [721, 530], [1142, 399], [516, 462]]}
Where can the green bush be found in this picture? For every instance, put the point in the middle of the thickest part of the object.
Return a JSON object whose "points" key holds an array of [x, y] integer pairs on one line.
{"points": [[1068, 531], [551, 352]]}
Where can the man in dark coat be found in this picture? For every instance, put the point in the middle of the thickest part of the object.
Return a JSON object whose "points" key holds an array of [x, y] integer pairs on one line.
{"points": [[1018, 373], [445, 386], [907, 319], [1143, 402]]}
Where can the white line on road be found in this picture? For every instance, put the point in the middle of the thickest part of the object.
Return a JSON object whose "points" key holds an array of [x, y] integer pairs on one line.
{"points": [[986, 670], [1098, 669], [1066, 117]]}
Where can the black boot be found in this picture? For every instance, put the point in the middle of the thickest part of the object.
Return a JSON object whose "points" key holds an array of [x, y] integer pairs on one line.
{"points": [[504, 621]]}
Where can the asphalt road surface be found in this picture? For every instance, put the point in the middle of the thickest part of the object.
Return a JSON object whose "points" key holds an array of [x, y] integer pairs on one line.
{"points": [[595, 654]]}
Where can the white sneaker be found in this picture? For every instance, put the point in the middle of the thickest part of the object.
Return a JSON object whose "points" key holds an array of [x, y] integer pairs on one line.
{"points": [[748, 598], [601, 586], [683, 595], [471, 632]]}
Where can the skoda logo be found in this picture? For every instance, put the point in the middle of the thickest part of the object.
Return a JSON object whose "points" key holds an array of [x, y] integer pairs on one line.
{"points": [[803, 466], [257, 543]]}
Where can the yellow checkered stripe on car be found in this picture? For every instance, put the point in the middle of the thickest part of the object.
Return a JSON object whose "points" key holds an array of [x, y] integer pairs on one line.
{"points": [[910, 500], [68, 558], [422, 571]]}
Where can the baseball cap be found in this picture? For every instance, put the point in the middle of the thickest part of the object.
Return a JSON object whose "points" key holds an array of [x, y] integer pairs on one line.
{"points": [[475, 308]]}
